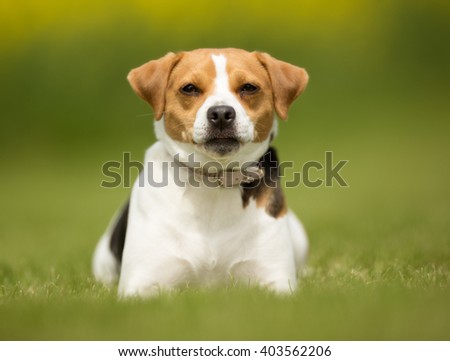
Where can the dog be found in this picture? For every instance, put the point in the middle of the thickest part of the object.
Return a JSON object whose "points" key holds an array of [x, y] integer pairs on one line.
{"points": [[221, 217]]}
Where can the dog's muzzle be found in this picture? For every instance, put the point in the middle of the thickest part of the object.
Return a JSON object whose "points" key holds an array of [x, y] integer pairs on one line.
{"points": [[222, 137]]}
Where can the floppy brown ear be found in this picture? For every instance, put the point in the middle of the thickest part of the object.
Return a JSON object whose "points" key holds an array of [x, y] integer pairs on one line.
{"points": [[288, 82], [149, 81]]}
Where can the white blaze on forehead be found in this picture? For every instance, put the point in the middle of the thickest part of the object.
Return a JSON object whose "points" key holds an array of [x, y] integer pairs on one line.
{"points": [[222, 95], [222, 85]]}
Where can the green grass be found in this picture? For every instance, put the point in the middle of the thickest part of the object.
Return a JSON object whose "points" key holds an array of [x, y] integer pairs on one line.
{"points": [[392, 302]]}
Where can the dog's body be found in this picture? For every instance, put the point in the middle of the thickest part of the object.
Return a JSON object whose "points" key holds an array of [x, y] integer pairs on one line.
{"points": [[220, 106]]}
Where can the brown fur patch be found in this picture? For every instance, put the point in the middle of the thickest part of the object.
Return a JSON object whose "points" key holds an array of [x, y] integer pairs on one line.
{"points": [[244, 67], [267, 192], [195, 67]]}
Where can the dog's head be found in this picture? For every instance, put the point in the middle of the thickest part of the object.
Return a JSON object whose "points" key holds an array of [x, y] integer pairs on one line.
{"points": [[218, 103]]}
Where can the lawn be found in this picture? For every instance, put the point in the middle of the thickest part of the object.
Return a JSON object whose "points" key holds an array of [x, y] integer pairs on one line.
{"points": [[379, 262]]}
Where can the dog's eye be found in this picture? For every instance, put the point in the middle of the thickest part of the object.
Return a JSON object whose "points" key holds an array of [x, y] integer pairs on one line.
{"points": [[190, 89], [248, 89]]}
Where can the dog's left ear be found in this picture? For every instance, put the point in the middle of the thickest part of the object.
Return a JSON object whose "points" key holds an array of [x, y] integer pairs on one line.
{"points": [[288, 82], [149, 81]]}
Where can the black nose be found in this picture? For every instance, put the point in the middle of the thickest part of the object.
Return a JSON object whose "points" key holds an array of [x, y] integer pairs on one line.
{"points": [[221, 116]]}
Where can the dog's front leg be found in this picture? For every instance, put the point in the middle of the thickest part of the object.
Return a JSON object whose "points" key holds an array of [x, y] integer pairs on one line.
{"points": [[151, 277]]}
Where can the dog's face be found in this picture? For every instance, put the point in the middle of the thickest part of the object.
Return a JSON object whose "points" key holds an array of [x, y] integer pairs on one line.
{"points": [[219, 102]]}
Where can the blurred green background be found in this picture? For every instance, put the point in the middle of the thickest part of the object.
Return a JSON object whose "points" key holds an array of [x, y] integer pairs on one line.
{"points": [[378, 96]]}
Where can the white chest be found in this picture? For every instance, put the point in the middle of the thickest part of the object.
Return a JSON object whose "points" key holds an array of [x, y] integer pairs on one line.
{"points": [[200, 235]]}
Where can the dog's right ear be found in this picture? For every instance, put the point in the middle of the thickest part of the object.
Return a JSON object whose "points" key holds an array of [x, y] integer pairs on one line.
{"points": [[149, 81]]}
